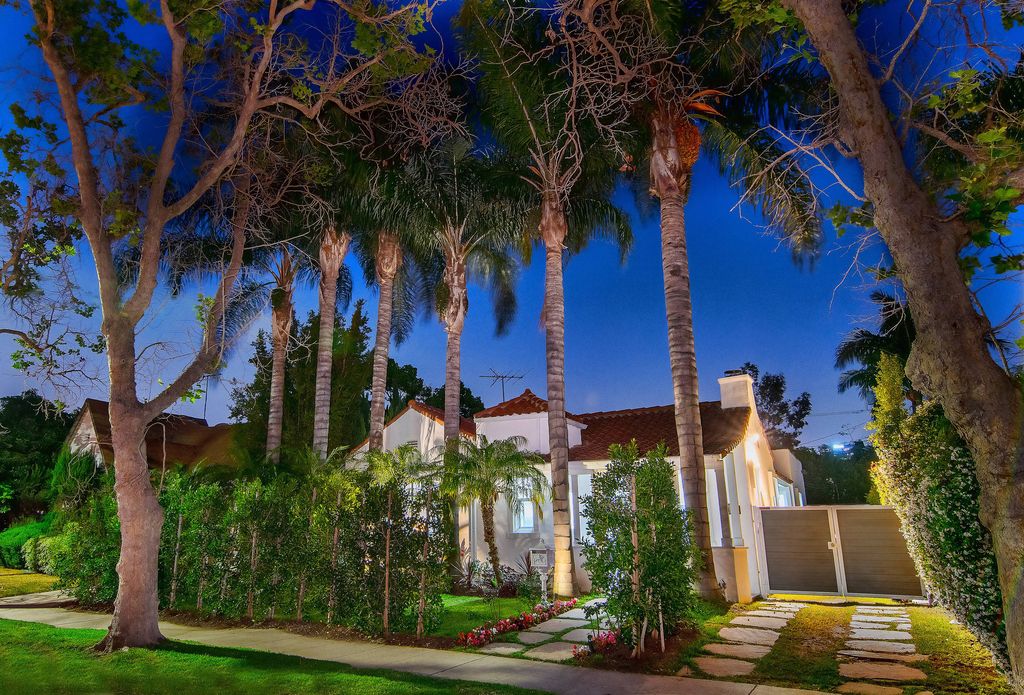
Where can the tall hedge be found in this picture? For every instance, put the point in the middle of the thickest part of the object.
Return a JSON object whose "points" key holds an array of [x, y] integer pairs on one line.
{"points": [[926, 473], [309, 548]]}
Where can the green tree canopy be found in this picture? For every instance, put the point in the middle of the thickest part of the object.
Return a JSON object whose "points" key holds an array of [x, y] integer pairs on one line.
{"points": [[783, 419], [31, 434]]}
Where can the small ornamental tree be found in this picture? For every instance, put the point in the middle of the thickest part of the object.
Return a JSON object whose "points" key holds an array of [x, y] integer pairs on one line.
{"points": [[640, 549], [926, 473]]}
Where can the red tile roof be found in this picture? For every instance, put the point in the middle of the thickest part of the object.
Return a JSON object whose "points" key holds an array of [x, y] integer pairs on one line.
{"points": [[723, 429], [525, 403]]}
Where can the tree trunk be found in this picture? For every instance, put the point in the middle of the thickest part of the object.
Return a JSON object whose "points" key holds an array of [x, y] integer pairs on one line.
{"points": [[487, 512], [454, 321], [333, 249], [282, 309], [553, 230], [950, 360], [136, 609], [670, 175], [389, 259]]}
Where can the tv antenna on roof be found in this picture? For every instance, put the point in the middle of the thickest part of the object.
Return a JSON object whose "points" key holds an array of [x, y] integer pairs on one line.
{"points": [[495, 377]]}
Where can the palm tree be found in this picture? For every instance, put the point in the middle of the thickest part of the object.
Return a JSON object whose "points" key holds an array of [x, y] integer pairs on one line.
{"points": [[863, 349], [484, 471], [664, 62], [468, 214], [529, 108]]}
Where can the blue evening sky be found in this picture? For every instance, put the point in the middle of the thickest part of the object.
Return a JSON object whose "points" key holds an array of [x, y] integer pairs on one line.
{"points": [[751, 303]]}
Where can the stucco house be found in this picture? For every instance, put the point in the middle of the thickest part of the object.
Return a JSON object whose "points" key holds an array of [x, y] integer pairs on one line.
{"points": [[742, 471]]}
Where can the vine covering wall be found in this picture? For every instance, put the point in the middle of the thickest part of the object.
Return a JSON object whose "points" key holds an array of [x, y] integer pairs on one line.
{"points": [[331, 548], [926, 473]]}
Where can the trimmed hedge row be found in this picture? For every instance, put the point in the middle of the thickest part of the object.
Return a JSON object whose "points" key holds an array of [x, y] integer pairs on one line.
{"points": [[334, 548], [13, 539]]}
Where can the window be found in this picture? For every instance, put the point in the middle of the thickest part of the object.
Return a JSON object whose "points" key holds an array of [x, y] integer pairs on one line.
{"points": [[783, 494], [524, 515]]}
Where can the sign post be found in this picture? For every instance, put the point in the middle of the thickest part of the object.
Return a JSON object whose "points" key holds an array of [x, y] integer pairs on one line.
{"points": [[539, 561]]}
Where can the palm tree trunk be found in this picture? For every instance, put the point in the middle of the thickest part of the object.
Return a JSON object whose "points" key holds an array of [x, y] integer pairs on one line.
{"points": [[282, 323], [553, 230], [282, 310], [671, 178], [487, 512], [454, 322], [333, 248], [389, 258]]}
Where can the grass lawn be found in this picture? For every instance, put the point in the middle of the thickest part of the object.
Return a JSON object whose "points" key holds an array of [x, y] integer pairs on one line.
{"points": [[43, 659], [958, 663], [463, 613], [17, 582], [805, 654]]}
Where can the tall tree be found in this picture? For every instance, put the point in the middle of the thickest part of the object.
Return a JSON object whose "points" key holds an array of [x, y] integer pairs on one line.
{"points": [[469, 215], [783, 419], [528, 103], [218, 59], [930, 228], [649, 71], [351, 366], [32, 431]]}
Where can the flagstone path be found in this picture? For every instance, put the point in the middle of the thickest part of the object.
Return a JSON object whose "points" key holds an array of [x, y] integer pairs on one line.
{"points": [[454, 665], [555, 638], [880, 652], [749, 637]]}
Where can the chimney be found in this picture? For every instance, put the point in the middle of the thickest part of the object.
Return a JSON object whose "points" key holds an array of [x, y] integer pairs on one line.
{"points": [[737, 388]]}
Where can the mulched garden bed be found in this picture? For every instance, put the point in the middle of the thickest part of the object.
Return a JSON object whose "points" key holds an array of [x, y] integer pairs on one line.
{"points": [[653, 660]]}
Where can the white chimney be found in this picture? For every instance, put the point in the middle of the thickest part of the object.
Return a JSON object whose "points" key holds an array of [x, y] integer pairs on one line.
{"points": [[737, 390]]}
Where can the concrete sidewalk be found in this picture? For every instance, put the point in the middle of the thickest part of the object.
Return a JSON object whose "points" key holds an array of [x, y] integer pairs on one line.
{"points": [[555, 678]]}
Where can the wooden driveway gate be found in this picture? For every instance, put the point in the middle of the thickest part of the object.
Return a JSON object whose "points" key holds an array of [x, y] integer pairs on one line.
{"points": [[854, 550]]}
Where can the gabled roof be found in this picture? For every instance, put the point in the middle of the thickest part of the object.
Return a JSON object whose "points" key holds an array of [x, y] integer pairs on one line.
{"points": [[466, 426], [722, 429], [524, 404], [170, 438]]}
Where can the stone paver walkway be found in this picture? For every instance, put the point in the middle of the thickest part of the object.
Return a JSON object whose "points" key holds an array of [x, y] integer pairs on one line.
{"points": [[43, 599], [469, 666], [879, 652], [555, 639], [749, 636]]}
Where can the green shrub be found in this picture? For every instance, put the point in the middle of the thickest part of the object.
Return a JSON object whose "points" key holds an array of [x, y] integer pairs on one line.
{"points": [[926, 473], [640, 551], [275, 548], [14, 538]]}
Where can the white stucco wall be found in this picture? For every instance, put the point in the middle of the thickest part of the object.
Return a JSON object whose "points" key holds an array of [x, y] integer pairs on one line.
{"points": [[532, 426], [411, 426]]}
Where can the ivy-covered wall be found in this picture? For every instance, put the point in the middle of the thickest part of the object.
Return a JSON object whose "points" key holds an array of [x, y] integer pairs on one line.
{"points": [[925, 471]]}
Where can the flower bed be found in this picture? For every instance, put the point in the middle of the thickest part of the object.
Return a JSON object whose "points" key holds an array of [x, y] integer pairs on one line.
{"points": [[479, 636], [597, 644]]}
